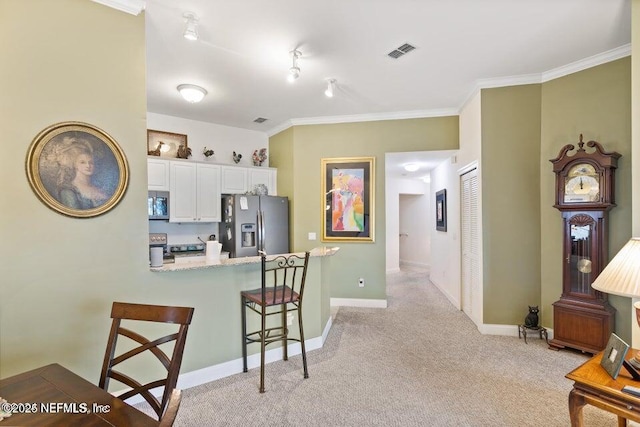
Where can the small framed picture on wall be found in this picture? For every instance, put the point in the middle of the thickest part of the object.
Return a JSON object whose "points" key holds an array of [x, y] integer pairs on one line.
{"points": [[441, 210]]}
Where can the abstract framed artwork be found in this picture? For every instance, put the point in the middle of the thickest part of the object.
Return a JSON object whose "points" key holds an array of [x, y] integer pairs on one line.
{"points": [[77, 169], [441, 210], [348, 199]]}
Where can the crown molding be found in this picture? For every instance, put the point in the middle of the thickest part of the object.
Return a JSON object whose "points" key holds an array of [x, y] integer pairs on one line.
{"points": [[134, 7], [355, 118], [279, 128], [545, 76], [583, 64]]}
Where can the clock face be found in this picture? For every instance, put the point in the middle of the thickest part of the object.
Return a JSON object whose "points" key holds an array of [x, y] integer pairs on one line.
{"points": [[582, 184]]}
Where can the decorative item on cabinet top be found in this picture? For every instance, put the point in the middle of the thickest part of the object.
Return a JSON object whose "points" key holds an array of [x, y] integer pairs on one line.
{"points": [[207, 152], [259, 156], [167, 144], [237, 157]]}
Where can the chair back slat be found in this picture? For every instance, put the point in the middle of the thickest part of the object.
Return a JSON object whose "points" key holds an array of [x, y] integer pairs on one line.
{"points": [[148, 313]]}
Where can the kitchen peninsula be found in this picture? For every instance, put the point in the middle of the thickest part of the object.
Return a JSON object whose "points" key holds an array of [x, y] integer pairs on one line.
{"points": [[213, 349], [198, 265]]}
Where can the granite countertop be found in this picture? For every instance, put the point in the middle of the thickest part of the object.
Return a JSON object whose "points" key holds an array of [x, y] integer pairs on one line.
{"points": [[320, 251]]}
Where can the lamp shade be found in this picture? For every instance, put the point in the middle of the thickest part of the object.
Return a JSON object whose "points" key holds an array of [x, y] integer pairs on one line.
{"points": [[192, 93], [622, 275]]}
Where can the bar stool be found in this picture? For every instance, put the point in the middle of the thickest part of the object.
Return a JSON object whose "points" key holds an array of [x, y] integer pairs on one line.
{"points": [[283, 278]]}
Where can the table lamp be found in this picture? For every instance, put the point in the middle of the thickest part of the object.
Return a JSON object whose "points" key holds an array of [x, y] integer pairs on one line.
{"points": [[622, 277]]}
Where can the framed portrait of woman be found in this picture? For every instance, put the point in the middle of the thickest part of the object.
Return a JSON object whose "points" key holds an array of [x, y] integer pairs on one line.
{"points": [[77, 169]]}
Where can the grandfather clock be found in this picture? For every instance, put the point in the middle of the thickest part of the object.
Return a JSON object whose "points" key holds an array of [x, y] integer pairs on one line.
{"points": [[583, 319]]}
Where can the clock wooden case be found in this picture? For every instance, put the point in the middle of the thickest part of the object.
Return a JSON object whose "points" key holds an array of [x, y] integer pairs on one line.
{"points": [[583, 319]]}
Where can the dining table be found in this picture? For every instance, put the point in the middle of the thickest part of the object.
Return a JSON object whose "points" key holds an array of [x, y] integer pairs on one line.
{"points": [[52, 395]]}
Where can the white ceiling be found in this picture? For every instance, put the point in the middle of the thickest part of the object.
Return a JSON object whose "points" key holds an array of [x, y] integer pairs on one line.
{"points": [[242, 57]]}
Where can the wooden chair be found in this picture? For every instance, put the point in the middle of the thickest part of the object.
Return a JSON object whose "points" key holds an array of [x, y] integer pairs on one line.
{"points": [[283, 278], [151, 313]]}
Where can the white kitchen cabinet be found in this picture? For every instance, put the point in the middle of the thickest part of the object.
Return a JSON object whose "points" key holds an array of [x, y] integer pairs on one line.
{"points": [[234, 180], [195, 192], [158, 174], [266, 176]]}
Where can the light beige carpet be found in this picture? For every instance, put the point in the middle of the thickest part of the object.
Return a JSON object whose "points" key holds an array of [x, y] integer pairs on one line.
{"points": [[420, 362]]}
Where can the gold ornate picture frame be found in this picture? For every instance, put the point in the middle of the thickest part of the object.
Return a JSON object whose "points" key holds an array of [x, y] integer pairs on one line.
{"points": [[348, 189], [77, 169]]}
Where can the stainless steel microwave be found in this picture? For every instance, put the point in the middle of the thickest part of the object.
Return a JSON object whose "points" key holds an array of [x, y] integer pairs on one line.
{"points": [[158, 204]]}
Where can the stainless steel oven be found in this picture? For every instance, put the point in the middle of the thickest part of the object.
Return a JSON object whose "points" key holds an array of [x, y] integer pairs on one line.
{"points": [[158, 204]]}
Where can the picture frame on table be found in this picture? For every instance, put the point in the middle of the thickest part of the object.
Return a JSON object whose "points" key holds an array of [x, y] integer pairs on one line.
{"points": [[348, 191], [613, 355], [165, 144], [441, 210], [77, 169]]}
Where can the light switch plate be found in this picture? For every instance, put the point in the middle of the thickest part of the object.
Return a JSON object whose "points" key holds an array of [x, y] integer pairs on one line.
{"points": [[312, 236]]}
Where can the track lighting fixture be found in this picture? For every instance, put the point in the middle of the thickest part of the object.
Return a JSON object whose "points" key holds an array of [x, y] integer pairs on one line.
{"points": [[191, 29], [330, 86], [294, 71], [192, 93]]}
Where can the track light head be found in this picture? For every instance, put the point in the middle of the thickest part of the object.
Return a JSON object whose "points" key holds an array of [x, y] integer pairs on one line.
{"points": [[191, 28], [330, 88], [294, 71]]}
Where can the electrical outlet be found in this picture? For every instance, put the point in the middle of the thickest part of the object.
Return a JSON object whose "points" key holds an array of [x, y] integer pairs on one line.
{"points": [[289, 319], [312, 236], [361, 282]]}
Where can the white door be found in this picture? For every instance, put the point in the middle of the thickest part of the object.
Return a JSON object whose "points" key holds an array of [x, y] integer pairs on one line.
{"points": [[470, 259]]}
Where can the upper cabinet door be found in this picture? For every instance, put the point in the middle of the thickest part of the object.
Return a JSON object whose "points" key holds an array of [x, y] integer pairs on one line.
{"points": [[208, 190], [234, 180], [183, 198], [263, 176], [158, 174]]}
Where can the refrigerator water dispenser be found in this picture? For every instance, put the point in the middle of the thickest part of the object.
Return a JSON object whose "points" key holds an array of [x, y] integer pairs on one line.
{"points": [[248, 232]]}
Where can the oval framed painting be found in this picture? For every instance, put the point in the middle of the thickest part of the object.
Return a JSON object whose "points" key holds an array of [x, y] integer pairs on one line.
{"points": [[77, 169]]}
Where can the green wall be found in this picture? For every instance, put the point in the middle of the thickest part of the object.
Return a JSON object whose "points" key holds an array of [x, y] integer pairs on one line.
{"points": [[510, 202], [314, 142], [596, 103]]}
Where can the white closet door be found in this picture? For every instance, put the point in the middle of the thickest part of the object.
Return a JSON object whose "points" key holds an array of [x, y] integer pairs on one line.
{"points": [[471, 292]]}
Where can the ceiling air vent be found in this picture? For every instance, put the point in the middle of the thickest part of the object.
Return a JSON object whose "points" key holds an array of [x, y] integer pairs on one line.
{"points": [[400, 51], [260, 120]]}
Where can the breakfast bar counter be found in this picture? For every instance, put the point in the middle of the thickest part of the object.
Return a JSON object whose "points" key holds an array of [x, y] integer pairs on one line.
{"points": [[320, 251]]}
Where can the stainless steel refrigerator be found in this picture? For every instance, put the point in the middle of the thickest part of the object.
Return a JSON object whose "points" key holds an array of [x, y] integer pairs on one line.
{"points": [[254, 223]]}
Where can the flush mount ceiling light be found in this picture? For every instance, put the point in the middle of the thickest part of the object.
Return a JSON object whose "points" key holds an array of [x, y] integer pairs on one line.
{"points": [[330, 86], [192, 93], [411, 167], [191, 29], [294, 71]]}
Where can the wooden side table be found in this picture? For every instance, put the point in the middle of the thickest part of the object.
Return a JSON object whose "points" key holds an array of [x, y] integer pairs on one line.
{"points": [[594, 386]]}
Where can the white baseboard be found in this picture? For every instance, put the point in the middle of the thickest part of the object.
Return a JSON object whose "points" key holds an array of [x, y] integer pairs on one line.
{"points": [[393, 270], [455, 302], [232, 367], [505, 330], [414, 264], [355, 302]]}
